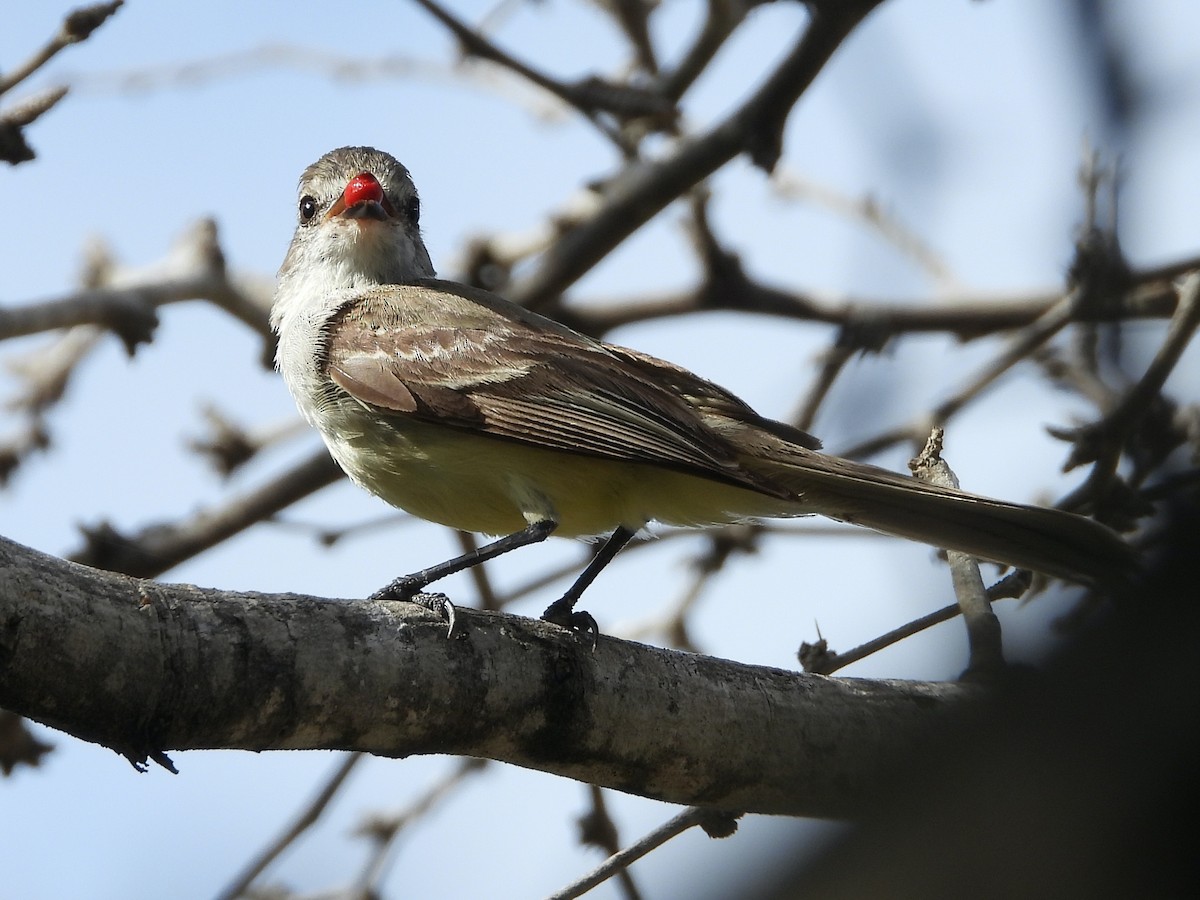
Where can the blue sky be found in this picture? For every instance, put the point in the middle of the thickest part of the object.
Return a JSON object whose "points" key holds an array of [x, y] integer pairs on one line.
{"points": [[965, 120]]}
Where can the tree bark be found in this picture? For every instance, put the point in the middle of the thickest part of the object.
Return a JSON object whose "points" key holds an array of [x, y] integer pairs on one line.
{"points": [[145, 667]]}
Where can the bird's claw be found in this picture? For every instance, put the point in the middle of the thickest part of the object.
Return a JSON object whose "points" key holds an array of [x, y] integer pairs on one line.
{"points": [[408, 589], [579, 623], [440, 604]]}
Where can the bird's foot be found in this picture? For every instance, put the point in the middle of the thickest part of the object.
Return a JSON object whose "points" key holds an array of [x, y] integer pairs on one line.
{"points": [[581, 623], [403, 588], [408, 589], [440, 604]]}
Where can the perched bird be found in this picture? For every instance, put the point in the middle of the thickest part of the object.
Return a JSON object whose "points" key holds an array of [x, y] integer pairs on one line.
{"points": [[465, 409]]}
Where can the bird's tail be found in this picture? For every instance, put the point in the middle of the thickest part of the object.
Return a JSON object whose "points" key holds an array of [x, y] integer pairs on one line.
{"points": [[1045, 540]]}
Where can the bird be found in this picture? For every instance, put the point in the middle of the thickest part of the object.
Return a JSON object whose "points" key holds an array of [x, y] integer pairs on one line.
{"points": [[465, 409]]}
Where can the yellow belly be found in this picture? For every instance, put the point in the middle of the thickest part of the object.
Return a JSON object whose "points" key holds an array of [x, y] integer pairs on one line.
{"points": [[492, 486]]}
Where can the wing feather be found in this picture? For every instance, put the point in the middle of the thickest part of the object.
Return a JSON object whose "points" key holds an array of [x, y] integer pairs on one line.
{"points": [[401, 352]]}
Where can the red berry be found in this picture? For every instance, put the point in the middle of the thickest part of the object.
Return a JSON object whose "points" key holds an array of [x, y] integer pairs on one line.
{"points": [[362, 187]]}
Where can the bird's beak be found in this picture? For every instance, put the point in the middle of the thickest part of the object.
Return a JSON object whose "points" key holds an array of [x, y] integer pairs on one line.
{"points": [[363, 198]]}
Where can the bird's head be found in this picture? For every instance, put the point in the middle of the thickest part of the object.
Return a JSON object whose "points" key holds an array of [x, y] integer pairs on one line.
{"points": [[358, 223]]}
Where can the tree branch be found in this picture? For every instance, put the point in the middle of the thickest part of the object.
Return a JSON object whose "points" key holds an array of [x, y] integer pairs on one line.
{"points": [[160, 547], [75, 28], [144, 667], [643, 189], [966, 316]]}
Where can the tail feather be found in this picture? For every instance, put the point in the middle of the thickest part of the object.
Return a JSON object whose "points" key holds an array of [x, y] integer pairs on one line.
{"points": [[1045, 540]]}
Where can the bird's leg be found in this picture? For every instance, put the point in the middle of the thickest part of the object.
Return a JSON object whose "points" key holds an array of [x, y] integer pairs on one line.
{"points": [[408, 587], [562, 611]]}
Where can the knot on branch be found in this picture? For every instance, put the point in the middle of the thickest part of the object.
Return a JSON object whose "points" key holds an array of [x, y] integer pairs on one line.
{"points": [[32, 438], [724, 543], [132, 318], [227, 446], [863, 332], [816, 658], [483, 267], [625, 102], [18, 745], [1099, 269], [13, 146], [106, 548], [80, 23], [719, 823], [724, 277]]}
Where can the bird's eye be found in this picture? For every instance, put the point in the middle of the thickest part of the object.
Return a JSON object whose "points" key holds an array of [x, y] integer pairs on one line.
{"points": [[308, 209], [412, 209]]}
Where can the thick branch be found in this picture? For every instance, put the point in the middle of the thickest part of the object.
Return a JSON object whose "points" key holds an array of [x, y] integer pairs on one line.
{"points": [[144, 667]]}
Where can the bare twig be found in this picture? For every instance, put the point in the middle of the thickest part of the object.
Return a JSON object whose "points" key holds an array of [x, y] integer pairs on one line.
{"points": [[869, 323], [307, 818], [817, 659], [76, 27], [597, 829], [983, 627], [722, 20], [590, 97], [869, 210], [643, 189], [716, 824], [384, 830], [229, 445], [159, 548], [1019, 347]]}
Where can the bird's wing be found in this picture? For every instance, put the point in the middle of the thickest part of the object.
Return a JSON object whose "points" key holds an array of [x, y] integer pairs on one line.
{"points": [[450, 355], [714, 402]]}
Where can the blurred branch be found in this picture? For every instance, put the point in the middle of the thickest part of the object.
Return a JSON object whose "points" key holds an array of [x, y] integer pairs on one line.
{"points": [[633, 18], [643, 189], [125, 301], [229, 446], [13, 146], [597, 829], [384, 830], [44, 375], [715, 823], [144, 667], [869, 211], [307, 818], [124, 298], [592, 97], [722, 20], [965, 316], [76, 27], [721, 544], [158, 548], [1019, 347], [1102, 442], [18, 745]]}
